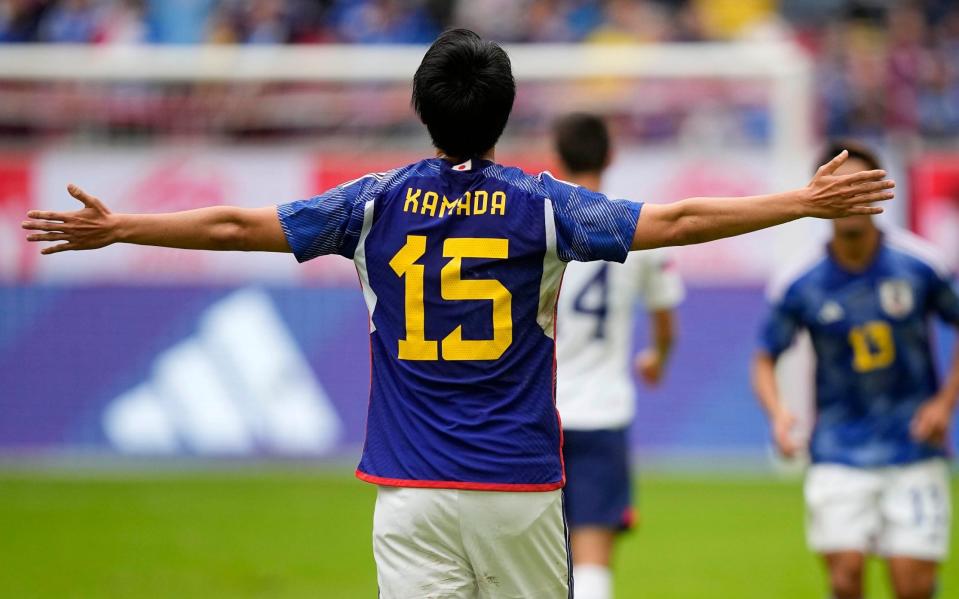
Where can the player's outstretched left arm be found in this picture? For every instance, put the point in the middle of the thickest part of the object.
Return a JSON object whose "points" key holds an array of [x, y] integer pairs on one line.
{"points": [[933, 419], [697, 220], [214, 228]]}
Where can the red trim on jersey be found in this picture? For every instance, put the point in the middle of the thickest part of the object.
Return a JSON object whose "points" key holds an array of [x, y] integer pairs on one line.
{"points": [[455, 484]]}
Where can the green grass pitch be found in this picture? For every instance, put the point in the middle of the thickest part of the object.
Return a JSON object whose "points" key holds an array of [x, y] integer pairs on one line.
{"points": [[285, 533]]}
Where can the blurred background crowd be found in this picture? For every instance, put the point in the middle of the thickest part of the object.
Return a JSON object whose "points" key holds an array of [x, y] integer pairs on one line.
{"points": [[883, 65]]}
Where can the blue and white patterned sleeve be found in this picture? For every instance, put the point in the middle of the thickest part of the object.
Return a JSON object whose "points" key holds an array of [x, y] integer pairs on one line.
{"points": [[589, 225], [781, 325], [329, 223]]}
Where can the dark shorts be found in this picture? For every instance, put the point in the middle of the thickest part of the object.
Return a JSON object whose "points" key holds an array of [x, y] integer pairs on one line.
{"points": [[598, 489]]}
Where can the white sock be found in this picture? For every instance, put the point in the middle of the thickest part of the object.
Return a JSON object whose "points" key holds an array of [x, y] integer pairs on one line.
{"points": [[592, 581]]}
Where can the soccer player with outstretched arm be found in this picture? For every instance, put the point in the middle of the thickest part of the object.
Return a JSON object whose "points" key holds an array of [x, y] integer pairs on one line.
{"points": [[460, 260], [879, 482], [594, 390]]}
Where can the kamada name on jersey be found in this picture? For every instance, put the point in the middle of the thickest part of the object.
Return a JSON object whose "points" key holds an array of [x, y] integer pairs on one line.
{"points": [[473, 203]]}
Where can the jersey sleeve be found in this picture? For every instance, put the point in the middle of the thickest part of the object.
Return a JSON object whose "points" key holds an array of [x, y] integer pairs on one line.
{"points": [[589, 225], [945, 298], [660, 285], [781, 325], [329, 223]]}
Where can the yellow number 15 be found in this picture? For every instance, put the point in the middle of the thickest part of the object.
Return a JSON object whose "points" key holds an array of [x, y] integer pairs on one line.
{"points": [[453, 287]]}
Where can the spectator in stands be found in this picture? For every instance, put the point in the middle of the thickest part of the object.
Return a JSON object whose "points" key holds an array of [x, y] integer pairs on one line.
{"points": [[267, 23], [20, 20], [122, 22], [178, 21], [384, 22], [502, 20], [71, 22]]}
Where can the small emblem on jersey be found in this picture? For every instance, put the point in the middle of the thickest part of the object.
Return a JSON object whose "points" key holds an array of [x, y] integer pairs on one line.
{"points": [[464, 166], [831, 312], [896, 297]]}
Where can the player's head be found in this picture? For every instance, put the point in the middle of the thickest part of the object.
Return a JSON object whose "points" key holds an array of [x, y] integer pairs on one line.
{"points": [[861, 158], [463, 92], [582, 143]]}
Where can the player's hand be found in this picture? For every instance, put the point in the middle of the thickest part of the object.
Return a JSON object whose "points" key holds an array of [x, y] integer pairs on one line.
{"points": [[829, 195], [784, 429], [89, 228], [649, 365], [932, 420]]}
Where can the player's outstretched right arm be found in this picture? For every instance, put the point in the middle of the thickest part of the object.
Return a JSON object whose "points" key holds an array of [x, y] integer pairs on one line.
{"points": [[213, 228], [697, 220]]}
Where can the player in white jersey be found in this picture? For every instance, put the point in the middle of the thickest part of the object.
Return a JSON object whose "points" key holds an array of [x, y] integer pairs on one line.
{"points": [[595, 394]]}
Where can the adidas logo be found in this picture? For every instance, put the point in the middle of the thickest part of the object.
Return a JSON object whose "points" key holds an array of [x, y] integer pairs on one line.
{"points": [[238, 386], [831, 312]]}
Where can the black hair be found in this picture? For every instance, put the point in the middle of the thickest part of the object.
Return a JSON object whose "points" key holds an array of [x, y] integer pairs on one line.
{"points": [[856, 150], [582, 142], [463, 91]]}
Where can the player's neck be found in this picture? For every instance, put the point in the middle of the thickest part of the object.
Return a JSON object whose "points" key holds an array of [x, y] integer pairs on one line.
{"points": [[856, 252], [489, 155], [591, 181]]}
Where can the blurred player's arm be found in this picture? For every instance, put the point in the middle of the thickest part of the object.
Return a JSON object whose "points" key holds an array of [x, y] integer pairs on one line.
{"points": [[651, 362], [662, 291], [778, 333], [213, 228], [781, 420], [697, 220], [933, 419], [950, 389]]}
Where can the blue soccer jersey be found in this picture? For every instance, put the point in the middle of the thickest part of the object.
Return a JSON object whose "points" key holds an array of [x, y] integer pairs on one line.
{"points": [[460, 268], [871, 335]]}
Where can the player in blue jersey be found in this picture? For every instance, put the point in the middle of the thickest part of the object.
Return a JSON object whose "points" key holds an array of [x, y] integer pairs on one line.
{"points": [[460, 260], [594, 386], [878, 483]]}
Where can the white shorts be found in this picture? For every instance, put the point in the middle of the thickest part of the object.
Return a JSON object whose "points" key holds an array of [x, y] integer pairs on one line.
{"points": [[896, 511], [433, 543]]}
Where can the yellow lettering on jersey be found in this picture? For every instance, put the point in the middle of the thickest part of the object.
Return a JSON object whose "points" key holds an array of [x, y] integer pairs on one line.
{"points": [[464, 207], [447, 205], [454, 287], [499, 203], [480, 201], [415, 346], [473, 203], [412, 200], [429, 203]]}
